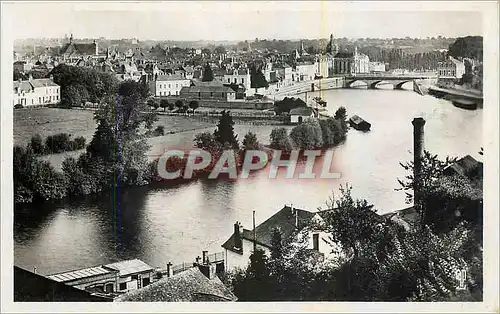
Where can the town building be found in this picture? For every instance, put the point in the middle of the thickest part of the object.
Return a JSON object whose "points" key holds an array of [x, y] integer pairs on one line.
{"points": [[196, 284], [32, 287], [351, 63], [297, 115], [169, 85], [22, 66], [35, 92], [72, 52], [376, 67], [291, 222], [238, 76], [132, 274], [305, 71], [109, 279], [451, 68], [208, 91]]}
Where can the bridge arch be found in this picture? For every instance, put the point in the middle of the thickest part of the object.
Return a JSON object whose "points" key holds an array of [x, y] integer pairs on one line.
{"points": [[400, 84], [356, 83]]}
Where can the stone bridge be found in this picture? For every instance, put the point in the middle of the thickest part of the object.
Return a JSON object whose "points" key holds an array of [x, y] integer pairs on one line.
{"points": [[373, 80]]}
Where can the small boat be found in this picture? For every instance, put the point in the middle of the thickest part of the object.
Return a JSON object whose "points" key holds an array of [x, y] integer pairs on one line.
{"points": [[359, 124], [320, 101]]}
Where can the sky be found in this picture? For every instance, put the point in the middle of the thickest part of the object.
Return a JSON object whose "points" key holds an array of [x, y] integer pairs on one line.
{"points": [[242, 20]]}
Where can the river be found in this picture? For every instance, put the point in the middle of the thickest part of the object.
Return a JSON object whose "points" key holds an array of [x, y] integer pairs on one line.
{"points": [[176, 222]]}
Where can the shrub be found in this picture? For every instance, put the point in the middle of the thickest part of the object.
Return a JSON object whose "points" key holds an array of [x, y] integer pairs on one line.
{"points": [[37, 144], [307, 135], [58, 143], [159, 131], [279, 139], [79, 142]]}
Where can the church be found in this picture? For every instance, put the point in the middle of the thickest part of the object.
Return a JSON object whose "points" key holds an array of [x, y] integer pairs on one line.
{"points": [[74, 52], [345, 62]]}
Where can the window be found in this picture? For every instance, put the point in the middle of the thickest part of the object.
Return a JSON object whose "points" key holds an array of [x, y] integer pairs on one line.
{"points": [[40, 100], [123, 286], [316, 242], [135, 277], [168, 85], [228, 80], [242, 81]]}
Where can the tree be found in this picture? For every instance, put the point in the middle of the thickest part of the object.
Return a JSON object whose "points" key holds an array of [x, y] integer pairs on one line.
{"points": [[208, 75], [193, 104], [250, 142], [37, 144], [257, 79], [118, 145], [224, 133], [164, 104], [254, 284], [307, 135], [74, 95], [431, 170], [179, 104], [153, 103], [467, 47], [280, 140]]}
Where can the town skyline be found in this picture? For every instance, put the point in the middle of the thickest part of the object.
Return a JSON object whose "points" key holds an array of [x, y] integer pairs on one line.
{"points": [[237, 22]]}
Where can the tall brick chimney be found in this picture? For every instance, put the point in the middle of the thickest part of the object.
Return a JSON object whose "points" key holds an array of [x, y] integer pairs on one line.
{"points": [[418, 151], [237, 237]]}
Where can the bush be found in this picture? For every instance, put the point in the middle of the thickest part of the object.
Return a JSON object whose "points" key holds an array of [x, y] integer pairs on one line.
{"points": [[307, 135], [37, 144], [159, 131], [79, 142], [58, 143], [279, 140]]}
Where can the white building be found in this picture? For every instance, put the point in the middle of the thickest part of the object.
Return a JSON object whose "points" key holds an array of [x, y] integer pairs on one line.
{"points": [[305, 71], [451, 68], [376, 67], [35, 92], [238, 76], [290, 221], [170, 85], [297, 115], [116, 277]]}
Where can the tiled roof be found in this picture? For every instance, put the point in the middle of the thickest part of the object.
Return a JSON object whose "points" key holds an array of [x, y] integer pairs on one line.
{"points": [[130, 267], [187, 286], [344, 55], [80, 273], [301, 111], [173, 77], [43, 82], [283, 219], [23, 86], [207, 88], [75, 49]]}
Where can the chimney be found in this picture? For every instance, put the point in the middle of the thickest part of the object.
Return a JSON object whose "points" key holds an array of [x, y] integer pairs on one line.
{"points": [[34, 269], [238, 245], [170, 271], [51, 77], [198, 260], [418, 149], [296, 219], [205, 257], [96, 47], [209, 270]]}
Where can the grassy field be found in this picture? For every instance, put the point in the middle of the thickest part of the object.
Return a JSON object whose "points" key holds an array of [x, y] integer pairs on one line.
{"points": [[179, 130], [49, 121]]}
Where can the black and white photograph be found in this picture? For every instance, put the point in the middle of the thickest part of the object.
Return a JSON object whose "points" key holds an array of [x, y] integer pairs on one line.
{"points": [[303, 154]]}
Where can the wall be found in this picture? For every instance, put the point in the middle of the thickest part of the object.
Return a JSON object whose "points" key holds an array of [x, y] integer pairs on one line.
{"points": [[235, 260]]}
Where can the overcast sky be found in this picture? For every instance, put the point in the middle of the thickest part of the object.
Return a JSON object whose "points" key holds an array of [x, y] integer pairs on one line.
{"points": [[239, 21]]}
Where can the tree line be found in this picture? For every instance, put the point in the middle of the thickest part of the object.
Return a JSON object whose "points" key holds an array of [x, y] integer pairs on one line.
{"points": [[375, 258]]}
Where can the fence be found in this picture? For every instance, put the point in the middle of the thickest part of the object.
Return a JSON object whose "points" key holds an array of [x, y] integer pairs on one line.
{"points": [[212, 258]]}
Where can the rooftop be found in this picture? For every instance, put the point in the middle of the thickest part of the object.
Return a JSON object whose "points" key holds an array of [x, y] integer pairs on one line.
{"points": [[172, 77], [301, 111], [80, 273], [130, 267], [29, 286], [187, 286]]}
